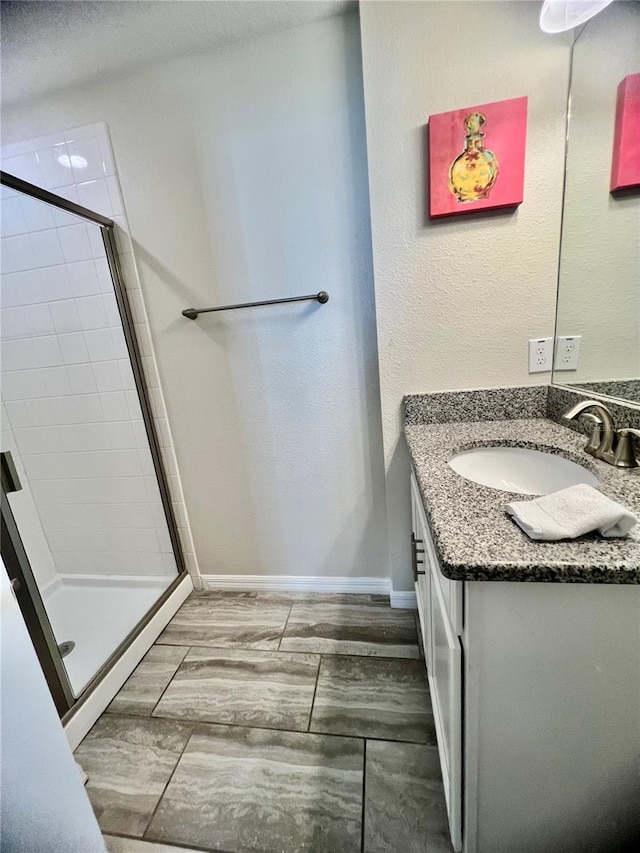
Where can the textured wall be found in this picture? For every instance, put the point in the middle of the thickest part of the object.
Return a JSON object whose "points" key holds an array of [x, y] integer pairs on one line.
{"points": [[456, 299], [244, 177], [599, 296]]}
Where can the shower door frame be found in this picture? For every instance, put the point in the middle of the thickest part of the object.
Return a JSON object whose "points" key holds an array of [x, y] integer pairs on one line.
{"points": [[13, 552]]}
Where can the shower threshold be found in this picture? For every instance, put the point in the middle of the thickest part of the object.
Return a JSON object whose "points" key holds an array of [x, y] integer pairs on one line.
{"points": [[98, 612]]}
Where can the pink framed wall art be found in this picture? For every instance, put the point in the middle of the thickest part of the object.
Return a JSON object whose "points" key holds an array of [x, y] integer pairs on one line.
{"points": [[476, 158], [625, 165]]}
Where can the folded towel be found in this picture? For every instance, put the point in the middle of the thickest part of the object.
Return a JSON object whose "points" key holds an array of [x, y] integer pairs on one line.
{"points": [[571, 512]]}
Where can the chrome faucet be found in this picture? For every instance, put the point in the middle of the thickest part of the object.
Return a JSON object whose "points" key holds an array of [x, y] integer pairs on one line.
{"points": [[607, 443]]}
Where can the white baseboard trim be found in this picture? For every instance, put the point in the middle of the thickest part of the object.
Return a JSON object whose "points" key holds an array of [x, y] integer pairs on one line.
{"points": [[86, 715], [294, 583], [403, 599]]}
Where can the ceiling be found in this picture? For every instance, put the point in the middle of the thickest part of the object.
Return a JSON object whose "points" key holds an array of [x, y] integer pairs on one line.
{"points": [[52, 45]]}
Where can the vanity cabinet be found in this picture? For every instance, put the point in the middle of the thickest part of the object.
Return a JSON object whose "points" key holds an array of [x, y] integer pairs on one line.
{"points": [[440, 613], [536, 698]]}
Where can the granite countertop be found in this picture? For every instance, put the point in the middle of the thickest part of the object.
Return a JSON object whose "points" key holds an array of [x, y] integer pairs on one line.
{"points": [[477, 540]]}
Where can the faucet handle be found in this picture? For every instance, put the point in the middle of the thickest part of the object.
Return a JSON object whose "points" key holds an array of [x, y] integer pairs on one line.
{"points": [[624, 455], [596, 433]]}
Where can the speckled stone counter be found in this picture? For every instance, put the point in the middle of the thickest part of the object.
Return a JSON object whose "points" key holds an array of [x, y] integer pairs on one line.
{"points": [[474, 536]]}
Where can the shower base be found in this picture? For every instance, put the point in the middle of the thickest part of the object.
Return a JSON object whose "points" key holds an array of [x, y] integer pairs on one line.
{"points": [[97, 613]]}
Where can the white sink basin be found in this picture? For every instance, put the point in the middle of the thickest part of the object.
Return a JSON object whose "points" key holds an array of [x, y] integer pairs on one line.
{"points": [[517, 469]]}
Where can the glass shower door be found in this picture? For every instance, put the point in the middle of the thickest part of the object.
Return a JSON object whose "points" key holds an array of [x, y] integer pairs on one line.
{"points": [[92, 509]]}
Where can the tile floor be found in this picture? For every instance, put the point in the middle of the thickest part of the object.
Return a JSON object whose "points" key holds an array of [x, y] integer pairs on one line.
{"points": [[272, 723]]}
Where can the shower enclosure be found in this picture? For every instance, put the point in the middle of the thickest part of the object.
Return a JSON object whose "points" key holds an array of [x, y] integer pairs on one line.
{"points": [[88, 535]]}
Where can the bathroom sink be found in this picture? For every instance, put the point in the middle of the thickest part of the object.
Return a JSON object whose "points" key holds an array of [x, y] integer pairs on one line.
{"points": [[519, 469]]}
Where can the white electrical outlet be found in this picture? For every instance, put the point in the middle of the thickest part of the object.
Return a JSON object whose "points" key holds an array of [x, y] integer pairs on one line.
{"points": [[540, 355], [567, 352]]}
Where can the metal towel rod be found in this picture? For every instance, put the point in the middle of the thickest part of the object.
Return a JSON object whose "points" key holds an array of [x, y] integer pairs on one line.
{"points": [[192, 313]]}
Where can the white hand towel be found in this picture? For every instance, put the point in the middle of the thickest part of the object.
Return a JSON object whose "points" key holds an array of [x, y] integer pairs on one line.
{"points": [[571, 512]]}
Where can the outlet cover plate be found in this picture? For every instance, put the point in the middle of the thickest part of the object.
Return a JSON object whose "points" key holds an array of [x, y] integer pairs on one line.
{"points": [[540, 355], [567, 352]]}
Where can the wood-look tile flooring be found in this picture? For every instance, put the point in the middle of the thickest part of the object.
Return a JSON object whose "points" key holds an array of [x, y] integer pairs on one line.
{"points": [[272, 723]]}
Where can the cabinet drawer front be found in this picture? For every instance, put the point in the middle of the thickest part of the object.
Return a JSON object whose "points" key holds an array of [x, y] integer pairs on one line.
{"points": [[445, 683], [451, 590]]}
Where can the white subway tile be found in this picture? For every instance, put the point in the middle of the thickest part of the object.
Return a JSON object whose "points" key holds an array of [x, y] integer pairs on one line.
{"points": [[119, 343], [65, 316], [39, 319], [74, 240], [37, 214], [25, 166], [114, 406], [46, 248], [21, 384], [51, 160], [54, 282], [180, 514], [92, 313], [74, 348], [150, 564], [56, 381], [117, 435], [142, 440], [144, 340], [127, 382], [48, 141], [18, 414], [84, 278], [117, 463], [14, 323], [89, 150], [146, 462], [133, 401], [81, 378], [13, 149], [111, 310], [88, 409], [19, 354], [164, 540], [48, 352], [107, 374], [17, 254], [95, 241], [13, 221], [72, 437], [153, 490], [106, 152], [104, 275], [150, 371], [21, 288], [169, 459], [148, 541], [95, 196], [37, 440], [115, 196], [63, 217], [100, 345]]}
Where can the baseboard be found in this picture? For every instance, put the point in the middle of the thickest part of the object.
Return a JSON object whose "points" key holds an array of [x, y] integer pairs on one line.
{"points": [[403, 599], [79, 724], [294, 583]]}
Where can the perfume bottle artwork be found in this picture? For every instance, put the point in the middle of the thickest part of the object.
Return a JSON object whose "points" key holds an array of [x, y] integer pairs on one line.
{"points": [[464, 147], [474, 172]]}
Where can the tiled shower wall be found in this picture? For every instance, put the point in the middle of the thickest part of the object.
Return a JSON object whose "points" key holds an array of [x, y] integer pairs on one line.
{"points": [[68, 388]]}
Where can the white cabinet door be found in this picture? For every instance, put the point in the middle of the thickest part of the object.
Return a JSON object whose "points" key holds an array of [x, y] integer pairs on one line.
{"points": [[420, 567], [445, 684]]}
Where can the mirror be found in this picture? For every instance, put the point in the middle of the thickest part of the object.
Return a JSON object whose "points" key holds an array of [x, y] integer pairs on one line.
{"points": [[598, 306]]}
